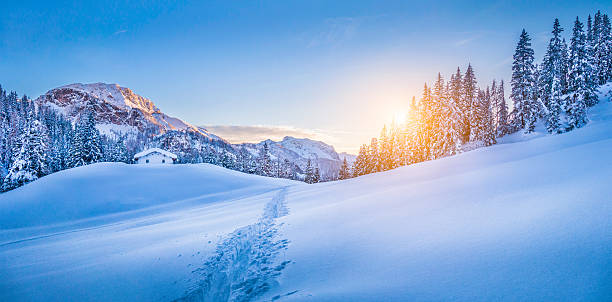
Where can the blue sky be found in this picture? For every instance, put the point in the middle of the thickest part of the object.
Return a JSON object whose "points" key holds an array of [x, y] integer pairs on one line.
{"points": [[330, 70]]}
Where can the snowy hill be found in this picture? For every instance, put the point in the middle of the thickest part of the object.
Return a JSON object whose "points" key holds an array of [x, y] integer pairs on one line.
{"points": [[115, 108], [525, 220], [299, 151]]}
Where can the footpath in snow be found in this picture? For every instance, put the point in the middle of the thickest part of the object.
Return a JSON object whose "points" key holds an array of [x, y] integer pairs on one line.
{"points": [[243, 266]]}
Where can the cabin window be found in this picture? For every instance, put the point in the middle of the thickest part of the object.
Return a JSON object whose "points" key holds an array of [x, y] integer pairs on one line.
{"points": [[163, 161], [147, 161]]}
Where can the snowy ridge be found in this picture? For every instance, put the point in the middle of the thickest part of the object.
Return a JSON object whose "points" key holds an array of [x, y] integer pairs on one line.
{"points": [[299, 151]]}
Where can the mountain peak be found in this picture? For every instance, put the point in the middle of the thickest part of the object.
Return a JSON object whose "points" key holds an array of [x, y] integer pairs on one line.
{"points": [[115, 108]]}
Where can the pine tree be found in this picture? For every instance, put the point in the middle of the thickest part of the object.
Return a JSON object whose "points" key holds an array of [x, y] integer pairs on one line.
{"points": [[30, 159], [601, 48], [373, 158], [552, 79], [264, 161], [85, 145], [448, 126], [525, 106], [309, 173], [344, 172], [360, 166], [470, 93], [503, 127], [581, 86]]}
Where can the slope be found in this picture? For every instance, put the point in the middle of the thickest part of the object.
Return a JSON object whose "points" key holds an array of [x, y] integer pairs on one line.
{"points": [[528, 220]]}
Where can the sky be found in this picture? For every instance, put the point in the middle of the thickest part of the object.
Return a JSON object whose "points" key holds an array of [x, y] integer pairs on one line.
{"points": [[335, 71]]}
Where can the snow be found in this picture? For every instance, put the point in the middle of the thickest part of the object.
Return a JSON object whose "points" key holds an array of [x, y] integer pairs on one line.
{"points": [[308, 148], [115, 94], [527, 220], [151, 150], [299, 151], [122, 98], [113, 129]]}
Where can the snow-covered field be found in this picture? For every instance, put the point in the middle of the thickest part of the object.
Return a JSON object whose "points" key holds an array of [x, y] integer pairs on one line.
{"points": [[529, 219]]}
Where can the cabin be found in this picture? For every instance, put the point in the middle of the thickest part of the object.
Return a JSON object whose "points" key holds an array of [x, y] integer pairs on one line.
{"points": [[155, 156]]}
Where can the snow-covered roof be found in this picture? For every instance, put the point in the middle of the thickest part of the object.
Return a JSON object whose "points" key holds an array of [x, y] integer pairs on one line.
{"points": [[152, 150]]}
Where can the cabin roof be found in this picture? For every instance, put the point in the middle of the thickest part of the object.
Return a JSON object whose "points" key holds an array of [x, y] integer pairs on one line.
{"points": [[153, 150]]}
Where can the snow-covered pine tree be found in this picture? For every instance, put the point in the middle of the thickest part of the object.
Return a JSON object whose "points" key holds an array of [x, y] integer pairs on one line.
{"points": [[85, 146], [384, 150], [344, 170], [317, 175], [494, 104], [606, 40], [503, 127], [581, 86], [30, 158], [120, 152], [523, 85], [361, 162], [448, 120], [426, 126], [470, 93], [309, 176], [486, 125], [373, 158], [601, 48], [264, 162], [552, 79]]}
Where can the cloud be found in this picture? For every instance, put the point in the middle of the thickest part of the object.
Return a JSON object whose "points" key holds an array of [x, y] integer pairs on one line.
{"points": [[120, 32], [341, 140], [468, 40], [334, 31]]}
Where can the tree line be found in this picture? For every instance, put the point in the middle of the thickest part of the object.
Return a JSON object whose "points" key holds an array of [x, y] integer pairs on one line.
{"points": [[36, 141], [456, 115]]}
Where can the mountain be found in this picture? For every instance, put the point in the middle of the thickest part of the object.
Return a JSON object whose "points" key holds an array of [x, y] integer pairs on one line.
{"points": [[119, 110], [527, 219], [299, 151], [116, 109], [350, 158]]}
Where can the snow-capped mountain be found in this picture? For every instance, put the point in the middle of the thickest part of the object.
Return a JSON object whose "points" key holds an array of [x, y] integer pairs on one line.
{"points": [[116, 109], [119, 110], [350, 158], [299, 151]]}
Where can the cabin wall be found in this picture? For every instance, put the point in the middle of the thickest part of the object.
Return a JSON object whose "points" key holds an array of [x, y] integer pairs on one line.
{"points": [[155, 158]]}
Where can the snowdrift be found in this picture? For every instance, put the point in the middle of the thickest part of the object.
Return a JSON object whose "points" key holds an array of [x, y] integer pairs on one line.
{"points": [[528, 219], [107, 188]]}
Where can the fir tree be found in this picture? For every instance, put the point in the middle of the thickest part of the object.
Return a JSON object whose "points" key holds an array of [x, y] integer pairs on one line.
{"points": [[30, 158], [552, 79], [85, 145], [523, 85], [360, 166], [581, 87], [309, 177], [503, 127], [264, 161], [344, 172], [470, 93]]}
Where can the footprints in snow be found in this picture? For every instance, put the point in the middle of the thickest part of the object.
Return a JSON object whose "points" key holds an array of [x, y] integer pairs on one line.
{"points": [[243, 266]]}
